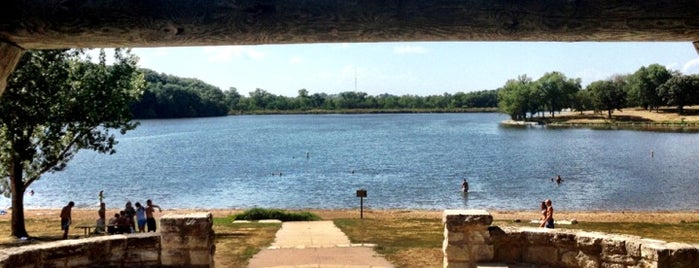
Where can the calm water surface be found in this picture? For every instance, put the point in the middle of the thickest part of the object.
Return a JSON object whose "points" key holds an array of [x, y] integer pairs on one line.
{"points": [[411, 161]]}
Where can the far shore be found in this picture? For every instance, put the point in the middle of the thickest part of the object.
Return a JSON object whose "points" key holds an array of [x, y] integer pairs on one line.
{"points": [[89, 215]]}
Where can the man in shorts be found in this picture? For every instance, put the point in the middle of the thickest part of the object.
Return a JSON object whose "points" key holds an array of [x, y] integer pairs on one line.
{"points": [[65, 218], [150, 220]]}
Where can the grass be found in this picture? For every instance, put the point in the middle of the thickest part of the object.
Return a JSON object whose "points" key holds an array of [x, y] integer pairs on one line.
{"points": [[278, 214], [412, 242], [236, 243]]}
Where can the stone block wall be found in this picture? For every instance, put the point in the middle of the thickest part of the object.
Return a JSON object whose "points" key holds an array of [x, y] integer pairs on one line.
{"points": [[136, 250], [580, 249], [184, 241], [466, 238], [188, 240], [466, 244]]}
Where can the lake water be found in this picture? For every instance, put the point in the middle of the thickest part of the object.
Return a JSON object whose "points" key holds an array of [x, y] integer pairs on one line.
{"points": [[406, 161]]}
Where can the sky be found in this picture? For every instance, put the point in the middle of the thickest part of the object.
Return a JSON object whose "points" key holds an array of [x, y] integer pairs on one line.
{"points": [[415, 68]]}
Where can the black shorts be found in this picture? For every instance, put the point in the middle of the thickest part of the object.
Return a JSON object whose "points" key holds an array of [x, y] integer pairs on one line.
{"points": [[150, 223]]}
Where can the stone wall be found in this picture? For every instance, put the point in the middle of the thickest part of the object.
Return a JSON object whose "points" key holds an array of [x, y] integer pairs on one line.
{"points": [[184, 241], [466, 244], [135, 250], [188, 240]]}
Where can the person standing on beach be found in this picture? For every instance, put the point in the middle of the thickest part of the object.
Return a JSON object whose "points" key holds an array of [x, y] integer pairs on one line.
{"points": [[141, 217], [150, 220], [548, 218], [130, 213], [101, 222], [66, 218]]}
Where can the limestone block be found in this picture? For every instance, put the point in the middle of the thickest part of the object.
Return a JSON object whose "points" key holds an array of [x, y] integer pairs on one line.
{"points": [[455, 236], [619, 258], [201, 258], [679, 255], [590, 243], [633, 247], [63, 250], [459, 265], [78, 261], [143, 256], [507, 252], [481, 253], [456, 219], [538, 236], [650, 250], [174, 257], [477, 237], [189, 223], [579, 259], [457, 253], [645, 264], [540, 254], [613, 245], [565, 240], [611, 265]]}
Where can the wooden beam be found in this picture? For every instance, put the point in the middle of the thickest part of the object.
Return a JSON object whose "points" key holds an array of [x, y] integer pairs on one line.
{"points": [[40, 24], [9, 56], [696, 46]]}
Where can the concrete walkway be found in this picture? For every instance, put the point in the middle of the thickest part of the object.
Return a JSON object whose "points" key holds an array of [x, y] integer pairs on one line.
{"points": [[316, 244]]}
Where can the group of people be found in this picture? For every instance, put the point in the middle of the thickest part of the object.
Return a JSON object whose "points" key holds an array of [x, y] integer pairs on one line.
{"points": [[124, 221], [129, 220]]}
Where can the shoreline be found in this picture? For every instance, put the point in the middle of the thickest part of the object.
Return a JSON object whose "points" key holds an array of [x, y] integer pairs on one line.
{"points": [[655, 216]]}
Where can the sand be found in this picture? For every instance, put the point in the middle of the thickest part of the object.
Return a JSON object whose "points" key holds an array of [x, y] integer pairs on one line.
{"points": [[88, 215]]}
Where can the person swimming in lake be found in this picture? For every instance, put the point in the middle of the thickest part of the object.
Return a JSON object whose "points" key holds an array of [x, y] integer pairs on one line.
{"points": [[559, 179], [464, 186]]}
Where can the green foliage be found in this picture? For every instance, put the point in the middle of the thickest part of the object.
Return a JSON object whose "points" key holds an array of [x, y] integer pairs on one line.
{"points": [[608, 95], [516, 98], [680, 91], [556, 91], [58, 102], [643, 88], [168, 96], [264, 214]]}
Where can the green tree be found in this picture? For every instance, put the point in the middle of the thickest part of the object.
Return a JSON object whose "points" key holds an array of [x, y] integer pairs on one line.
{"points": [[513, 98], [644, 86], [607, 95], [56, 103], [583, 101], [557, 91], [681, 90]]}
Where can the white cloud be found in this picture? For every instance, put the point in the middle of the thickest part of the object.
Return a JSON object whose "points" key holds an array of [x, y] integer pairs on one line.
{"points": [[406, 49], [228, 53], [691, 67]]}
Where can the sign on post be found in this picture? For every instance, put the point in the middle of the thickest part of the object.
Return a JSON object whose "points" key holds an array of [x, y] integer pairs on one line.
{"points": [[361, 193]]}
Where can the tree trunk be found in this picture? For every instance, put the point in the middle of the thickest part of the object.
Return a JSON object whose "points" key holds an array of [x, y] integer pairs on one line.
{"points": [[609, 114], [17, 185]]}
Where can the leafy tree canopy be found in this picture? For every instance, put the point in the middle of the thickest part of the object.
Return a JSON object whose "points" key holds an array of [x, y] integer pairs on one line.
{"points": [[58, 102]]}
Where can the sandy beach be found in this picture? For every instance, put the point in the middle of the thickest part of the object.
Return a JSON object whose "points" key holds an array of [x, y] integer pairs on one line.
{"points": [[89, 215]]}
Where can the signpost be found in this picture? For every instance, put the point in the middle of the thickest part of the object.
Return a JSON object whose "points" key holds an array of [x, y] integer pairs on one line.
{"points": [[361, 193]]}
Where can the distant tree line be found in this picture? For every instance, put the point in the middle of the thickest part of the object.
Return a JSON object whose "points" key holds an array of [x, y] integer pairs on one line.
{"points": [[649, 87], [168, 96]]}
